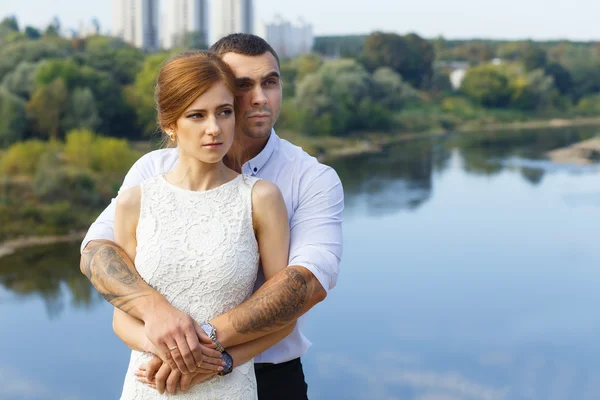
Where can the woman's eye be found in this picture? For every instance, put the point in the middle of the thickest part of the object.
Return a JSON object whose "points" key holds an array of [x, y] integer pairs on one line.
{"points": [[195, 116], [226, 112]]}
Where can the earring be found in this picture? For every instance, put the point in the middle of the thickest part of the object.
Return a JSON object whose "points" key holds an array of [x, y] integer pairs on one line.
{"points": [[172, 135]]}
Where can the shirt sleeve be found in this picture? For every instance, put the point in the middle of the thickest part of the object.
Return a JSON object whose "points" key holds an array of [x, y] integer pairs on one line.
{"points": [[316, 227], [103, 227]]}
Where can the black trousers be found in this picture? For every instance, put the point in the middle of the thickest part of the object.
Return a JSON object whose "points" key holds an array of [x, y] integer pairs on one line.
{"points": [[283, 381]]}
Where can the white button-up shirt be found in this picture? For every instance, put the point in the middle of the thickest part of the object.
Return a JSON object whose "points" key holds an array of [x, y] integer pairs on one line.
{"points": [[314, 199]]}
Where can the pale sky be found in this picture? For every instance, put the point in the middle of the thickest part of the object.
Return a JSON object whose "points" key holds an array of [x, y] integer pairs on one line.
{"points": [[498, 19]]}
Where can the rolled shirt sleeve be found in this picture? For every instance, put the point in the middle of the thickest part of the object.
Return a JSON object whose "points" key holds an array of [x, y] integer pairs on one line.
{"points": [[316, 227]]}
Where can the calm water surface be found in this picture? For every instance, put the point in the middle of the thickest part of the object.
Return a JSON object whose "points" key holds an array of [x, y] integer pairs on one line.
{"points": [[470, 271]]}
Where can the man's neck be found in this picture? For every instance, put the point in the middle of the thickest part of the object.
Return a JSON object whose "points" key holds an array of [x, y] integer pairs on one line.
{"points": [[252, 147]]}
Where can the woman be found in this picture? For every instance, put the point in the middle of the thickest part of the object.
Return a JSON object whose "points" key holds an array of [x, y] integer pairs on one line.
{"points": [[197, 233]]}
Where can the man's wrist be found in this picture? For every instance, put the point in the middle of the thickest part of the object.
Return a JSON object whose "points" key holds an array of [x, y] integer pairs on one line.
{"points": [[147, 305], [211, 332]]}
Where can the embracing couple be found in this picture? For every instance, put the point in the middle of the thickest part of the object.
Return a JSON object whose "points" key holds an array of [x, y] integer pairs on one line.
{"points": [[216, 247]]}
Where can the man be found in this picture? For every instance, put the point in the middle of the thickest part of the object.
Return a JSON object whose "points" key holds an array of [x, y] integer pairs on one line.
{"points": [[314, 199]]}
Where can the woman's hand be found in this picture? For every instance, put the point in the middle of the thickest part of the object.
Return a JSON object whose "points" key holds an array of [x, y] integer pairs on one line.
{"points": [[160, 376]]}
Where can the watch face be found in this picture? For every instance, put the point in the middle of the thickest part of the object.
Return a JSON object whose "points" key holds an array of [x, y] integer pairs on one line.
{"points": [[208, 328]]}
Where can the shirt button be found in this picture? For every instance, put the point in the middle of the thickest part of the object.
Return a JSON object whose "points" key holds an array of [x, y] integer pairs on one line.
{"points": [[255, 169]]}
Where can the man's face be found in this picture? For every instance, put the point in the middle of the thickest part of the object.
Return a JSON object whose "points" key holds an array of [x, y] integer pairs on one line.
{"points": [[258, 80]]}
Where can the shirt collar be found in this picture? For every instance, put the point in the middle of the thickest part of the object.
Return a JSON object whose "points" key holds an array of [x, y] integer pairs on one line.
{"points": [[257, 163]]}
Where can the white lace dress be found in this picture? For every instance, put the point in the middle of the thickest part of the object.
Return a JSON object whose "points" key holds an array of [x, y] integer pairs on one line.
{"points": [[198, 249]]}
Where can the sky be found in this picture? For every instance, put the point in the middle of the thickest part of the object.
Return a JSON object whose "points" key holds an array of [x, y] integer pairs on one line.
{"points": [[453, 19]]}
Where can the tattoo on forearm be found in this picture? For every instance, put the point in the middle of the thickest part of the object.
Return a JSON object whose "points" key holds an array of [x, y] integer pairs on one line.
{"points": [[277, 304], [114, 262], [113, 275]]}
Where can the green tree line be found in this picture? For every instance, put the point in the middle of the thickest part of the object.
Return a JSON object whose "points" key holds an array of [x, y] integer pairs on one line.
{"points": [[50, 85]]}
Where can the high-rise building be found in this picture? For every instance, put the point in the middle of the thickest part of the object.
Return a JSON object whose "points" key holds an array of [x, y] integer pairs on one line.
{"points": [[183, 18], [288, 39], [231, 16], [136, 22]]}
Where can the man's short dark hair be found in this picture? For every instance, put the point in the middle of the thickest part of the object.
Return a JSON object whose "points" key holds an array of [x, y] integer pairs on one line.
{"points": [[245, 44]]}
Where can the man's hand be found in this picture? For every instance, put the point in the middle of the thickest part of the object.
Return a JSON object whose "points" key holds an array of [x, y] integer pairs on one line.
{"points": [[179, 340], [161, 376]]}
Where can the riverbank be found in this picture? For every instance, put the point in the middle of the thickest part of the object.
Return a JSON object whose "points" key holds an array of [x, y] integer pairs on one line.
{"points": [[534, 124], [582, 153], [329, 149], [11, 246]]}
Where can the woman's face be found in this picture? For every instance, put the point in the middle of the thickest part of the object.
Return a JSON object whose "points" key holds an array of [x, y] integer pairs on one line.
{"points": [[206, 129]]}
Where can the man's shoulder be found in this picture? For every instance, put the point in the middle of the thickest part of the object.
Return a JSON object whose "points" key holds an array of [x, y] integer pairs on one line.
{"points": [[305, 163], [158, 160]]}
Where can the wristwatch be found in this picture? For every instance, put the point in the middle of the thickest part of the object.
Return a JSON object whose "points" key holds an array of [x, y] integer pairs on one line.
{"points": [[212, 334], [228, 363]]}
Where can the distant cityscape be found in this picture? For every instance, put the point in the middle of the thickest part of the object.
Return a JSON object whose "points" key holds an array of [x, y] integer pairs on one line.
{"points": [[142, 24]]}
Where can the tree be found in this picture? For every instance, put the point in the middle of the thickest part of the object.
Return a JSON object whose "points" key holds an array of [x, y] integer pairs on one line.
{"points": [[53, 28], [410, 55], [293, 70], [82, 112], [21, 81], [47, 107], [140, 95], [532, 90], [336, 99], [487, 84], [32, 33], [390, 91], [116, 116], [13, 118], [112, 55], [31, 50], [349, 46], [562, 78], [10, 23], [534, 58]]}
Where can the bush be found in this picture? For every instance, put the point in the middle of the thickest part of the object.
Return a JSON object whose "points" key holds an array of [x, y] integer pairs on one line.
{"points": [[59, 215], [85, 149], [459, 106], [54, 182], [589, 105], [22, 158]]}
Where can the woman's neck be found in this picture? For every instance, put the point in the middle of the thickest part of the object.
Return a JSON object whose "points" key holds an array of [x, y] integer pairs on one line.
{"points": [[191, 174]]}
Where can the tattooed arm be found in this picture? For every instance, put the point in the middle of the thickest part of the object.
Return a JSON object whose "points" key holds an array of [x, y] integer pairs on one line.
{"points": [[315, 253], [112, 273]]}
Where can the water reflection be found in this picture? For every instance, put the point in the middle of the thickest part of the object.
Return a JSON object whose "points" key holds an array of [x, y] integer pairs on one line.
{"points": [[400, 178], [50, 272], [489, 153], [472, 295]]}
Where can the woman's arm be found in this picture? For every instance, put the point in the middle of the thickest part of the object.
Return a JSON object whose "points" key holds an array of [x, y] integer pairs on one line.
{"points": [[127, 212], [271, 227], [131, 331]]}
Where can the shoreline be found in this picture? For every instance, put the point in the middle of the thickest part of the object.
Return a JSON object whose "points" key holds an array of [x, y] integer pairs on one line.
{"points": [[374, 143], [11, 246]]}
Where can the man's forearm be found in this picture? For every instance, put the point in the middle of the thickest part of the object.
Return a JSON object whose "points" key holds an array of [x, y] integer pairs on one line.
{"points": [[279, 302], [114, 276]]}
